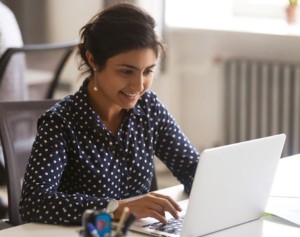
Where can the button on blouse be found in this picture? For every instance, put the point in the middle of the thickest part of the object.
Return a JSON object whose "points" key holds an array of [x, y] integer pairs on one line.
{"points": [[76, 163]]}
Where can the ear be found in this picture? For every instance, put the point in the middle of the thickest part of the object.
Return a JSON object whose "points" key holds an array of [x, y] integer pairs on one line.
{"points": [[90, 59]]}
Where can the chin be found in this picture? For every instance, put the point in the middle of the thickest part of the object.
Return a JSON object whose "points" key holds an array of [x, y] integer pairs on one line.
{"points": [[129, 105]]}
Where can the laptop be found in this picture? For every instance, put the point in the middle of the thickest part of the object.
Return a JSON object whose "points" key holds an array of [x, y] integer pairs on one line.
{"points": [[231, 187]]}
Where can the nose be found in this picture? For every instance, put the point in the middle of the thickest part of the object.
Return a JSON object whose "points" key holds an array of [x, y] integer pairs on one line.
{"points": [[138, 83]]}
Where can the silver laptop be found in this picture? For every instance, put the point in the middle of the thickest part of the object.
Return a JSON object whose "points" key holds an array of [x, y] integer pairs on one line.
{"points": [[231, 186]]}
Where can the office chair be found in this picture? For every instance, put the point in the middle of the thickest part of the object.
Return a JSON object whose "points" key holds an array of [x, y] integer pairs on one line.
{"points": [[42, 62], [18, 126]]}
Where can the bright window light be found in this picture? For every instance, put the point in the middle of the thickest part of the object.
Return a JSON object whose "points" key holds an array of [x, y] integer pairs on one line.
{"points": [[190, 13]]}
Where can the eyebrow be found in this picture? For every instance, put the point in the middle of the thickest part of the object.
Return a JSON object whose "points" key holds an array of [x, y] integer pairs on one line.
{"points": [[135, 68]]}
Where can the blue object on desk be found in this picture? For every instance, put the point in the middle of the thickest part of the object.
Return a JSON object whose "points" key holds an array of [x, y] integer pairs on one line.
{"points": [[103, 224], [92, 230]]}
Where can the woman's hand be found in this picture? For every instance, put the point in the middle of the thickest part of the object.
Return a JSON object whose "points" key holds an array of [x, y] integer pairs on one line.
{"points": [[149, 205]]}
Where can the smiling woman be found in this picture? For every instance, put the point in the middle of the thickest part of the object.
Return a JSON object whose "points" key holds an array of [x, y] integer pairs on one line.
{"points": [[99, 144], [130, 75]]}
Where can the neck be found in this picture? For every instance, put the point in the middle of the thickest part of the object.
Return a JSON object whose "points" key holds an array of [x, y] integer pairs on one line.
{"points": [[111, 115]]}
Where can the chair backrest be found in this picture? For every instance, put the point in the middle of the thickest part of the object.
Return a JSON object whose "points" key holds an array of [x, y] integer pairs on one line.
{"points": [[43, 63], [18, 127]]}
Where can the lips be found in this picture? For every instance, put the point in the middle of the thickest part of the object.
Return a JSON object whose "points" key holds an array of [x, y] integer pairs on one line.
{"points": [[131, 95]]}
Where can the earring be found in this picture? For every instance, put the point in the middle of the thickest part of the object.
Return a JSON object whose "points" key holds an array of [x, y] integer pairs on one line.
{"points": [[95, 88]]}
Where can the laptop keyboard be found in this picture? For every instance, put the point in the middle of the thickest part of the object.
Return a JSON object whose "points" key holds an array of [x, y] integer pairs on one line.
{"points": [[173, 226]]}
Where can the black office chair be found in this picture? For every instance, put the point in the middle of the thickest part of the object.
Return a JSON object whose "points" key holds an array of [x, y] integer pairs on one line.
{"points": [[18, 126], [45, 62]]}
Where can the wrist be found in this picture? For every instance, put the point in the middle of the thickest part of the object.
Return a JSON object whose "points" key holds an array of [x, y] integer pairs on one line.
{"points": [[112, 207]]}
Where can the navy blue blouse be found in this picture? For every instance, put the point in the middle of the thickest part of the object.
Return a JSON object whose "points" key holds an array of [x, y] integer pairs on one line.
{"points": [[76, 163]]}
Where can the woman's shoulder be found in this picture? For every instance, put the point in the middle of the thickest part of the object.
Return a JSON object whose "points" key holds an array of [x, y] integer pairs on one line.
{"points": [[150, 103], [63, 109], [74, 103], [149, 97]]}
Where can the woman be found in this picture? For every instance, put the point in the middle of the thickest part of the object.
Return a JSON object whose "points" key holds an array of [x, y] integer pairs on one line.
{"points": [[97, 146]]}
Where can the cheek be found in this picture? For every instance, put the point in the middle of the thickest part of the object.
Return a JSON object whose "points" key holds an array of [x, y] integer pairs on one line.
{"points": [[148, 83], [111, 81]]}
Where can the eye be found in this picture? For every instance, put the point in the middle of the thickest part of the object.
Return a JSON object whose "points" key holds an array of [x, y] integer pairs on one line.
{"points": [[126, 71], [148, 71]]}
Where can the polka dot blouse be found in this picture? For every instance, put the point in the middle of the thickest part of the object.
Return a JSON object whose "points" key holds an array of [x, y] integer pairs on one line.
{"points": [[76, 163]]}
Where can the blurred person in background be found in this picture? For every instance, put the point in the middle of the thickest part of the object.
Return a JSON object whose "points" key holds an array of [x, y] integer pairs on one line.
{"points": [[12, 83]]}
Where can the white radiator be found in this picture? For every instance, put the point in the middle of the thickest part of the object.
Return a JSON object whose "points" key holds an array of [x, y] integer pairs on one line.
{"points": [[262, 98]]}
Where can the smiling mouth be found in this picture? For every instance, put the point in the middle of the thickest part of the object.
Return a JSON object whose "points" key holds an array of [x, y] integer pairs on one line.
{"points": [[131, 95]]}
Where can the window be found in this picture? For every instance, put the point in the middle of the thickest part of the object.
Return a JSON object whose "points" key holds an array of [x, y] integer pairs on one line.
{"points": [[192, 12], [260, 8]]}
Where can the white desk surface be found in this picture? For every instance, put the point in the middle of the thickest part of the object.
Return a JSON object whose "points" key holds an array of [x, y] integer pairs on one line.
{"points": [[44, 230], [269, 226]]}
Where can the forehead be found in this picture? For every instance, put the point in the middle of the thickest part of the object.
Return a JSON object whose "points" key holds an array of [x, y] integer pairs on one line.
{"points": [[140, 58]]}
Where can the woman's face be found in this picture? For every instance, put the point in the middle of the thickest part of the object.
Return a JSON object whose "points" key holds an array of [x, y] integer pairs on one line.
{"points": [[125, 78]]}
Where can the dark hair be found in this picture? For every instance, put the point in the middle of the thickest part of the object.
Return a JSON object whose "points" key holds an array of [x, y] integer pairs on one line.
{"points": [[117, 29]]}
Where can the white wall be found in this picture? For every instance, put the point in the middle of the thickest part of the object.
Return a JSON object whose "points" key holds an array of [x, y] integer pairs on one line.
{"points": [[192, 87], [65, 18]]}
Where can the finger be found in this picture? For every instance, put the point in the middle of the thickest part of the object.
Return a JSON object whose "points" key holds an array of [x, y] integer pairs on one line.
{"points": [[167, 205], [158, 216], [172, 201], [170, 208], [152, 210], [155, 206]]}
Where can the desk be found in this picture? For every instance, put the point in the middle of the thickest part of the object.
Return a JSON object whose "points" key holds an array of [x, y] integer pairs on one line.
{"points": [[43, 230], [269, 226]]}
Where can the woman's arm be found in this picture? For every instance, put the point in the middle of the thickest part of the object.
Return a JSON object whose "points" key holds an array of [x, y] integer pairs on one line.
{"points": [[175, 150], [41, 199]]}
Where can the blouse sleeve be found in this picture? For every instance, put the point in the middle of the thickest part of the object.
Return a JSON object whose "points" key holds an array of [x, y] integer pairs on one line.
{"points": [[174, 149], [41, 200]]}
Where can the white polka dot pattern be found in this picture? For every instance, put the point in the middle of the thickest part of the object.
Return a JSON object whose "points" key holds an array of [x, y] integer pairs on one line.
{"points": [[77, 164]]}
